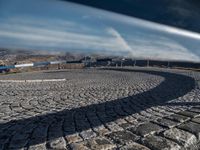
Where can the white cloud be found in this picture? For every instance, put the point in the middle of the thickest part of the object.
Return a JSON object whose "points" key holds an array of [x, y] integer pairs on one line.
{"points": [[109, 40], [32, 36], [161, 48], [119, 39]]}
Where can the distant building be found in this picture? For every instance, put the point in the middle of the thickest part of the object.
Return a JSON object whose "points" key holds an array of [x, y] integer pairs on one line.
{"points": [[103, 62], [88, 61]]}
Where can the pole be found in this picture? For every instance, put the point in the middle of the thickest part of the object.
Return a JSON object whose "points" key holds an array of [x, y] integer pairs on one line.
{"points": [[147, 63], [168, 64], [135, 63]]}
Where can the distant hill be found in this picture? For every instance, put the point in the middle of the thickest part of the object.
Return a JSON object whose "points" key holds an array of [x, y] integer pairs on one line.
{"points": [[18, 56], [11, 56]]}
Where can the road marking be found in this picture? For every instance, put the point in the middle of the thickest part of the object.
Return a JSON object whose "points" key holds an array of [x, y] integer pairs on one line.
{"points": [[42, 80]]}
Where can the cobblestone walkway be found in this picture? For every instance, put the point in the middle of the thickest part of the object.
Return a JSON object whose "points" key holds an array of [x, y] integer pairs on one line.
{"points": [[125, 109]]}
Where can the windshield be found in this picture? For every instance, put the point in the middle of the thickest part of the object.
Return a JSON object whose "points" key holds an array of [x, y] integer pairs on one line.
{"points": [[99, 75]]}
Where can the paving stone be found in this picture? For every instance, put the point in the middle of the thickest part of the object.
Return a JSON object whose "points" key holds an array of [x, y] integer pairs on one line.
{"points": [[123, 137], [146, 129], [160, 143], [154, 112], [166, 122], [87, 134], [41, 146], [79, 146], [131, 119], [101, 130], [189, 113], [120, 121], [40, 132], [126, 125], [197, 110], [100, 143], [3, 143], [16, 144], [19, 140], [57, 143], [149, 115], [114, 127], [191, 127], [134, 146], [178, 117], [162, 110], [181, 137], [196, 120], [72, 138], [142, 119]]}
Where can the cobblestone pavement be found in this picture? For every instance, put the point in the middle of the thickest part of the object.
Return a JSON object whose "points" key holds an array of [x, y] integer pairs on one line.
{"points": [[125, 109]]}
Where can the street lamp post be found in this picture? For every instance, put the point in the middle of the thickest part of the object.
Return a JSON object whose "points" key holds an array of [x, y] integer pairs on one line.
{"points": [[122, 62], [168, 64], [147, 63], [134, 62]]}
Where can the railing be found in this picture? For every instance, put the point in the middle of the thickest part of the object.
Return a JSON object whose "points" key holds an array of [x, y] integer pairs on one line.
{"points": [[36, 64]]}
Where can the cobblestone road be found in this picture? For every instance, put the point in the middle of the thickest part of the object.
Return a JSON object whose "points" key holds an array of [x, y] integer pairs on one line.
{"points": [[137, 109]]}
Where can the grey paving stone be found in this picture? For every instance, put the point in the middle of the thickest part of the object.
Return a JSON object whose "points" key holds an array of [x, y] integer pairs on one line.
{"points": [[40, 132], [3, 143], [73, 138], [114, 127], [126, 125], [166, 122], [146, 129], [19, 140], [123, 137], [178, 117], [160, 143], [79, 146], [87, 134], [196, 120], [181, 137], [191, 127], [120, 121], [41, 146], [189, 113], [134, 146], [18, 143], [131, 119], [101, 130], [100, 143], [58, 144], [195, 109]]}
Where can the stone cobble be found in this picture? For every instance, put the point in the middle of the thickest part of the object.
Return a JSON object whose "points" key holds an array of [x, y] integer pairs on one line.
{"points": [[108, 109]]}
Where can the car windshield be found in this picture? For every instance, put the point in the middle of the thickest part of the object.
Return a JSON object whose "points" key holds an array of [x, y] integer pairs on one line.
{"points": [[99, 75]]}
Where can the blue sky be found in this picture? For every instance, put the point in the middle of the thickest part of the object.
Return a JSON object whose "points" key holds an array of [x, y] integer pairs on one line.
{"points": [[56, 26]]}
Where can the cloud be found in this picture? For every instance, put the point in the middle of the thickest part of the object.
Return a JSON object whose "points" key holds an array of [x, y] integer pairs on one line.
{"points": [[119, 39], [160, 48], [109, 42], [45, 37], [95, 31]]}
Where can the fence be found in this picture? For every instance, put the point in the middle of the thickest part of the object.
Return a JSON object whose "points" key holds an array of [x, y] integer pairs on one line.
{"points": [[42, 66]]}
